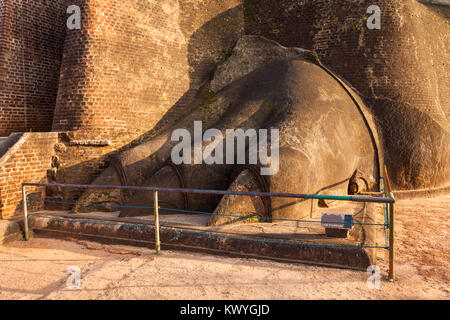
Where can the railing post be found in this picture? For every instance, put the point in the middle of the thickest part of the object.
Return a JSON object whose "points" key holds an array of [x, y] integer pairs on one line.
{"points": [[391, 240], [25, 213], [156, 207], [386, 195], [391, 228]]}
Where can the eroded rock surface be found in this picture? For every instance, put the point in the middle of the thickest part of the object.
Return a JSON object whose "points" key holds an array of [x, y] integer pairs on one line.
{"points": [[249, 54]]}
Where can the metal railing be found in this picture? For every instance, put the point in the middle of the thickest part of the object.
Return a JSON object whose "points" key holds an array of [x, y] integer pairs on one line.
{"points": [[387, 192], [387, 200]]}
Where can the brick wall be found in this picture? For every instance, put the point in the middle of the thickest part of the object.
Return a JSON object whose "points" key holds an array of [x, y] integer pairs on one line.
{"points": [[80, 164], [401, 71], [134, 60], [135, 65], [2, 18], [407, 57], [32, 39], [27, 161]]}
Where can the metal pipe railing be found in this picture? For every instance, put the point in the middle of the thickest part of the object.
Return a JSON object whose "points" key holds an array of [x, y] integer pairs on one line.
{"points": [[25, 213], [389, 200], [223, 192], [156, 207]]}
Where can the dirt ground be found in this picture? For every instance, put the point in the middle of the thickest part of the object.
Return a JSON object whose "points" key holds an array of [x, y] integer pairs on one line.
{"points": [[38, 269]]}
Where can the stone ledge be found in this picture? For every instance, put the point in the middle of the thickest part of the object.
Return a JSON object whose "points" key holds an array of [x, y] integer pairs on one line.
{"points": [[213, 241], [421, 193], [10, 230], [90, 143]]}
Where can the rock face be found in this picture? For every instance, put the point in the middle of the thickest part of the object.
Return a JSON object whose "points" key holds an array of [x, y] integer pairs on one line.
{"points": [[250, 53], [231, 206], [324, 137]]}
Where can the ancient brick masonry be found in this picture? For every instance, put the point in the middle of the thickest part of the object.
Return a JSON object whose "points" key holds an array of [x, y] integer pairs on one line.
{"points": [[135, 66], [130, 63], [32, 39], [134, 60], [2, 17], [143, 72], [27, 161]]}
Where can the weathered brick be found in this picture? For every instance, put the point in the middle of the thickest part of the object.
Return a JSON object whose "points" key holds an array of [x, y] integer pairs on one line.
{"points": [[28, 164], [31, 43]]}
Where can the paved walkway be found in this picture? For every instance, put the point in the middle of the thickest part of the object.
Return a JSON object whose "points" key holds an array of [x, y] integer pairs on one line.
{"points": [[38, 269]]}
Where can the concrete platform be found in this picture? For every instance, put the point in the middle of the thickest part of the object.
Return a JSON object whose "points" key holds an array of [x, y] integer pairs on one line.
{"points": [[303, 242]]}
